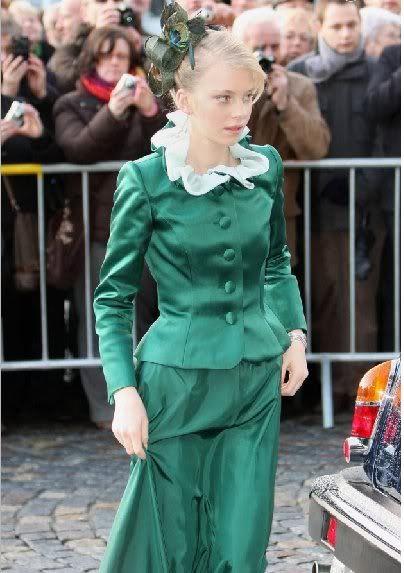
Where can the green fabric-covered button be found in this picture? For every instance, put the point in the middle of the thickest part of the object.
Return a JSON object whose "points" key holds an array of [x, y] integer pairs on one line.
{"points": [[229, 254], [229, 287], [225, 222], [230, 318]]}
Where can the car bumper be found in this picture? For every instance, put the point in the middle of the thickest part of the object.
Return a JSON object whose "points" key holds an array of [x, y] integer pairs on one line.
{"points": [[368, 522]]}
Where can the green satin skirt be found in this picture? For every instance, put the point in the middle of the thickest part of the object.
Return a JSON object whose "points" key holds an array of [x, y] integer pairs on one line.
{"points": [[202, 501]]}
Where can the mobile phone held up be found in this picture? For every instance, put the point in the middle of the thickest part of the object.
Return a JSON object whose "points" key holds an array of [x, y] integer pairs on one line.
{"points": [[126, 82], [16, 113]]}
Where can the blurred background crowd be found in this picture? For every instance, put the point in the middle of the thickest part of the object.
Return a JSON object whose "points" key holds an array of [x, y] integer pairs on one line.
{"points": [[333, 91]]}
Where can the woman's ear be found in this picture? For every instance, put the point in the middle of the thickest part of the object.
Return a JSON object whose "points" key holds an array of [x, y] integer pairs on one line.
{"points": [[182, 101]]}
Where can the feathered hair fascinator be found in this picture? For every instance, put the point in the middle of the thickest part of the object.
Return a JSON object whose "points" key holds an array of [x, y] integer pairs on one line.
{"points": [[166, 52]]}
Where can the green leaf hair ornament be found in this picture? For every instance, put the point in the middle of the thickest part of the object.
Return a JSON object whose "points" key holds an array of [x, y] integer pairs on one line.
{"points": [[166, 52]]}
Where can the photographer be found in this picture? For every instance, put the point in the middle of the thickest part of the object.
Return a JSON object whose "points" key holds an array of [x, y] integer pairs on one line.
{"points": [[21, 311], [287, 115], [103, 121], [94, 14], [24, 74], [28, 19]]}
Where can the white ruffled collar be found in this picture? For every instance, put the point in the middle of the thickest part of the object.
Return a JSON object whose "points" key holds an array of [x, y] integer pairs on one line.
{"points": [[176, 142]]}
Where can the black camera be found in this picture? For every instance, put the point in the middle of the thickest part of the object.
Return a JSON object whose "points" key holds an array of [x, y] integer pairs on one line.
{"points": [[127, 17], [264, 61], [20, 46]]}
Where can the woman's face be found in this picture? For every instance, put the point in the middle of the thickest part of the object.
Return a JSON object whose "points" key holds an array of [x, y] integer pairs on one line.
{"points": [[296, 41], [220, 104], [110, 67], [31, 27]]}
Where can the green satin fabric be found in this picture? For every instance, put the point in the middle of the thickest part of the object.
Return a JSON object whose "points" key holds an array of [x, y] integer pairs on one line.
{"points": [[221, 263], [202, 501]]}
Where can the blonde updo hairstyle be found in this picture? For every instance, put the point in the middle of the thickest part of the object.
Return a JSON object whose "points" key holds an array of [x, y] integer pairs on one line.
{"points": [[218, 46]]}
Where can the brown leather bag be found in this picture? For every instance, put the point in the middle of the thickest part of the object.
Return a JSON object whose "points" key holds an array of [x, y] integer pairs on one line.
{"points": [[26, 251], [65, 245]]}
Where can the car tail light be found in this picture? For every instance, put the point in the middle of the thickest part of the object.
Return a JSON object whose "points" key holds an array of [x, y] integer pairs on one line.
{"points": [[332, 531], [368, 400]]}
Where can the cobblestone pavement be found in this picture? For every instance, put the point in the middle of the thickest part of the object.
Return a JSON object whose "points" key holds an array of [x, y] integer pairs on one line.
{"points": [[61, 485]]}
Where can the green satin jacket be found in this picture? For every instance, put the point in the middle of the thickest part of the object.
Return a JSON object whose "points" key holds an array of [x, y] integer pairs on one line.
{"points": [[225, 288]]}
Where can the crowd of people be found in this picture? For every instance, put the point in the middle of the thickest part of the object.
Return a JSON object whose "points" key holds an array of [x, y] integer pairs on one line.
{"points": [[333, 91]]}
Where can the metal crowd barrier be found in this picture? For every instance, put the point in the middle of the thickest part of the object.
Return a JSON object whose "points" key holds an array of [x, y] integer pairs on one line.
{"points": [[325, 359]]}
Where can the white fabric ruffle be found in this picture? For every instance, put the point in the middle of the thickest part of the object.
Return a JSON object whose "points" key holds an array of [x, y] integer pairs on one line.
{"points": [[176, 142]]}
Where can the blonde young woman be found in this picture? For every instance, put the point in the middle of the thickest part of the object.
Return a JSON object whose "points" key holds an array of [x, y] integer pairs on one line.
{"points": [[199, 411]]}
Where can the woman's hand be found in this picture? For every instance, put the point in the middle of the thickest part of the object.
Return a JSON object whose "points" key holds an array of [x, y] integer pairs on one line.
{"points": [[107, 16], [120, 101], [294, 362], [32, 126], [144, 98], [13, 69], [36, 76], [130, 424]]}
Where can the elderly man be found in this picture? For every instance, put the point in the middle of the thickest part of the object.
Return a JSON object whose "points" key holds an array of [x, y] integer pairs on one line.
{"points": [[287, 115], [68, 20], [380, 28]]}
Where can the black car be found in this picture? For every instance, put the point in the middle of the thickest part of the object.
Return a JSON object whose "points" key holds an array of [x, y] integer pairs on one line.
{"points": [[356, 512]]}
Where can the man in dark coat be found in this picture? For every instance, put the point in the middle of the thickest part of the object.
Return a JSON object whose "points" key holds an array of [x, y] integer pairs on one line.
{"points": [[383, 105], [341, 71]]}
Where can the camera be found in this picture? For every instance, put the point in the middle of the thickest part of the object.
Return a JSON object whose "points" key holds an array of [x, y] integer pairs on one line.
{"points": [[127, 17], [16, 113], [126, 81], [264, 61], [20, 46]]}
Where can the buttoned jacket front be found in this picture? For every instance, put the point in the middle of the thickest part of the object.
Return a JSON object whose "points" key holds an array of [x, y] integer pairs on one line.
{"points": [[222, 267]]}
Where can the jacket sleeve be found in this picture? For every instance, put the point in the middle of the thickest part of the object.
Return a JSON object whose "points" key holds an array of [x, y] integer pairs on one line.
{"points": [[383, 98], [120, 274], [303, 125], [86, 142], [281, 291]]}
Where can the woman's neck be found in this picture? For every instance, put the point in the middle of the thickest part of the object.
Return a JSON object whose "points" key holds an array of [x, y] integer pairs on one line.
{"points": [[204, 154]]}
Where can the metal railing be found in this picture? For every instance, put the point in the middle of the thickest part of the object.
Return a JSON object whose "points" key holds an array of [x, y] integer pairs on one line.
{"points": [[325, 359]]}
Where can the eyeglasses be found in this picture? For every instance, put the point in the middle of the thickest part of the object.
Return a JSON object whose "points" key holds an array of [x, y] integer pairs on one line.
{"points": [[119, 56], [301, 37]]}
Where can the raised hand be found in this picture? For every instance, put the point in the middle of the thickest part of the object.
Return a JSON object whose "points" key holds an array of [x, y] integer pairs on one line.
{"points": [[13, 69], [36, 76]]}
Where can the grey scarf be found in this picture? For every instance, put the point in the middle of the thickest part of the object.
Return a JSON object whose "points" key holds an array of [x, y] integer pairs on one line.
{"points": [[320, 67]]}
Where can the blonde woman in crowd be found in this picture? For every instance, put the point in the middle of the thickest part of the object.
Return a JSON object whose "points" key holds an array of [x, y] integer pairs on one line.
{"points": [[28, 18], [298, 35]]}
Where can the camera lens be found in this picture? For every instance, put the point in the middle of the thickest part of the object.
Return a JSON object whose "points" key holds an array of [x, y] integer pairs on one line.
{"points": [[264, 61], [127, 17]]}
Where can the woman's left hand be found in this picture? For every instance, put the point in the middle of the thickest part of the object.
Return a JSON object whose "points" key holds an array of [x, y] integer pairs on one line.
{"points": [[144, 98], [294, 362], [32, 126]]}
